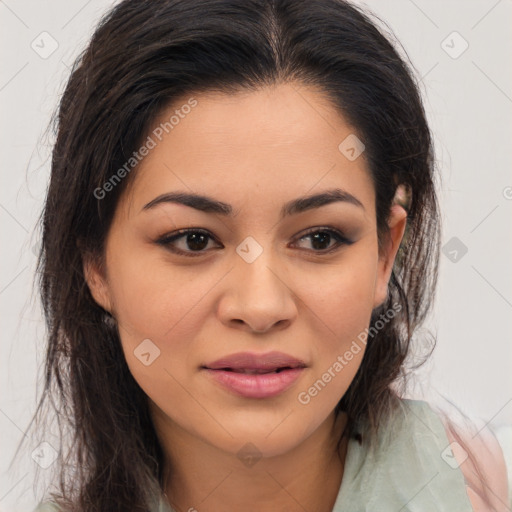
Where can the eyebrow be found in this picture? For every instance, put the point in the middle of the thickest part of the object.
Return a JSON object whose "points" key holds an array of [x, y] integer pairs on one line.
{"points": [[209, 205]]}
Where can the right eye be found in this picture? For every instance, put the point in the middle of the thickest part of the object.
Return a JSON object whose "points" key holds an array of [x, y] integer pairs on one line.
{"points": [[191, 241]]}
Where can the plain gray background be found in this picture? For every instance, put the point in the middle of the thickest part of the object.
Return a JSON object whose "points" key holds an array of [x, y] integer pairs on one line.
{"points": [[468, 98]]}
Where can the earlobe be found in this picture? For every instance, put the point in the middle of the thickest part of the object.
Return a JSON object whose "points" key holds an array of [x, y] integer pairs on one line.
{"points": [[397, 223], [96, 281]]}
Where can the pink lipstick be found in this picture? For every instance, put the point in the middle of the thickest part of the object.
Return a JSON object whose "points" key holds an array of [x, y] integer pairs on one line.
{"points": [[256, 375]]}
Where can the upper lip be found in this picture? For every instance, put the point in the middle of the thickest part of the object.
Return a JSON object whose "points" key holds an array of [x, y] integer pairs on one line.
{"points": [[251, 361]]}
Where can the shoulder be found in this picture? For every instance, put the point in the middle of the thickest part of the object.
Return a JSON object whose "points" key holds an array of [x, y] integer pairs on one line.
{"points": [[403, 460], [480, 458]]}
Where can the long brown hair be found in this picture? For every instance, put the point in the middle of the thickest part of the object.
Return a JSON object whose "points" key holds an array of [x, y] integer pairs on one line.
{"points": [[142, 56]]}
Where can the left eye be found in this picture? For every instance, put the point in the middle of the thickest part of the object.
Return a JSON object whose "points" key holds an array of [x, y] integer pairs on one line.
{"points": [[196, 241], [322, 237]]}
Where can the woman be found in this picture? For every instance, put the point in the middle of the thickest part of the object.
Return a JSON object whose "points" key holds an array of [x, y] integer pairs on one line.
{"points": [[240, 238]]}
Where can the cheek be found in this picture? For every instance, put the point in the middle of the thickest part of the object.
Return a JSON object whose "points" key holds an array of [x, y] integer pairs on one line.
{"points": [[149, 295], [341, 296], [159, 313], [167, 306], [342, 301]]}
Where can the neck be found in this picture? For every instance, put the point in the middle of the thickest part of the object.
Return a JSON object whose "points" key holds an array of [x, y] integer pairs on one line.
{"points": [[201, 477]]}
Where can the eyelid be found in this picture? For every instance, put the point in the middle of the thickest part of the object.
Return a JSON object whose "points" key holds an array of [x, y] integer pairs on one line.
{"points": [[341, 239]]}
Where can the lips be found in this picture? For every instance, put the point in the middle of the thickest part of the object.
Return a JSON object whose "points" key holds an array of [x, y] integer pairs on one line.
{"points": [[255, 376], [250, 363]]}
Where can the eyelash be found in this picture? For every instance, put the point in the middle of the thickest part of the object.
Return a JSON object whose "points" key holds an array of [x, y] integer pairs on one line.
{"points": [[167, 240]]}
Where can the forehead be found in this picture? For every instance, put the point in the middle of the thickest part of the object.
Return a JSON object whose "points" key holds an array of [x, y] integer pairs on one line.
{"points": [[281, 140]]}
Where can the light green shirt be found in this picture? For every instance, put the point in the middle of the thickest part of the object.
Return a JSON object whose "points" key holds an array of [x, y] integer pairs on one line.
{"points": [[412, 469]]}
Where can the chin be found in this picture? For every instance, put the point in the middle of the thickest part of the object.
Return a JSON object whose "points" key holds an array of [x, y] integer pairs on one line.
{"points": [[263, 441]]}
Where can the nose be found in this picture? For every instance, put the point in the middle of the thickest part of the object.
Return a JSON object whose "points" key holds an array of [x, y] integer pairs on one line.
{"points": [[257, 297]]}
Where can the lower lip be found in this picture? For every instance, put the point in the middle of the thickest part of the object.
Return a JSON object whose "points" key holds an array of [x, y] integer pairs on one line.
{"points": [[263, 385]]}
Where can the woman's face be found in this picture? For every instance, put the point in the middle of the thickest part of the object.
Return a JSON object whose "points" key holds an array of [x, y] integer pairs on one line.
{"points": [[270, 270]]}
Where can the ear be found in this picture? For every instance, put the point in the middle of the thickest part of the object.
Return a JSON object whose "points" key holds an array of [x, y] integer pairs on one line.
{"points": [[96, 281], [397, 223]]}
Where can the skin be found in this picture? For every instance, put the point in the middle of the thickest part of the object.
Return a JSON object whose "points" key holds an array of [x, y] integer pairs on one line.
{"points": [[255, 151]]}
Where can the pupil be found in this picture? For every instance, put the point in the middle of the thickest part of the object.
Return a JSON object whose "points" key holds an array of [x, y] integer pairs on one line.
{"points": [[322, 236], [196, 241]]}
